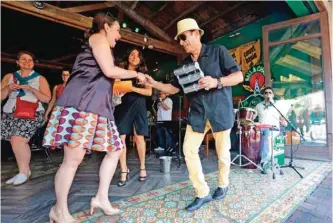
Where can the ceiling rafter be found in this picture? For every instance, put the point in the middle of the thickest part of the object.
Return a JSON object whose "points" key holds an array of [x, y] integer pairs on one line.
{"points": [[152, 15], [247, 19], [82, 22], [220, 14], [134, 4], [64, 57], [188, 11], [90, 7], [120, 16], [148, 25]]}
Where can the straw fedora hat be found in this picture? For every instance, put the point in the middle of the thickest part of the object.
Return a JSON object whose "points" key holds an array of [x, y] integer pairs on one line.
{"points": [[187, 24]]}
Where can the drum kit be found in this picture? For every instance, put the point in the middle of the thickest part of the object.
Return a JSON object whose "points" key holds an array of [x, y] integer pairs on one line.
{"points": [[249, 136]]}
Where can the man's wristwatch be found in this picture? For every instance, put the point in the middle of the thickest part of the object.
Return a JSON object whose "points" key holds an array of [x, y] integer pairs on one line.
{"points": [[219, 83]]}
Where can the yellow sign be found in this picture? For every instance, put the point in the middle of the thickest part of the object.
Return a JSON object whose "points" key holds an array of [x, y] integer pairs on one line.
{"points": [[247, 55], [236, 55]]}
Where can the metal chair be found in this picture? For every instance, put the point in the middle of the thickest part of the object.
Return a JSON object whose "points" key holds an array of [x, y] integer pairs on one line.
{"points": [[36, 143]]}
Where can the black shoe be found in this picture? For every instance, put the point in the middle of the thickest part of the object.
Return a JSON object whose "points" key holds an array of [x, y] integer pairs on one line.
{"points": [[264, 172], [198, 202], [220, 193], [264, 168], [142, 178], [122, 183]]}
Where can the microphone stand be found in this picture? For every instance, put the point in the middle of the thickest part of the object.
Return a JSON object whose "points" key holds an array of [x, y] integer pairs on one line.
{"points": [[293, 129], [180, 156]]}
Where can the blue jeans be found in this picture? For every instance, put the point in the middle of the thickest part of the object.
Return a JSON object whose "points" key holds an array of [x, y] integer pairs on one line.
{"points": [[164, 137], [265, 145]]}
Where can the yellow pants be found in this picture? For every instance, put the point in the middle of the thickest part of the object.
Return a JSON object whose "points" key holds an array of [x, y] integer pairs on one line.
{"points": [[191, 146]]}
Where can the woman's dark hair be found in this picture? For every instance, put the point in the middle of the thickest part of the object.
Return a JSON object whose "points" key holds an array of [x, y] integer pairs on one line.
{"points": [[98, 23], [141, 67], [19, 54]]}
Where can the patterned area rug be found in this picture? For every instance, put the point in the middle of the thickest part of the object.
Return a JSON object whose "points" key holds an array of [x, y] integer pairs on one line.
{"points": [[252, 197]]}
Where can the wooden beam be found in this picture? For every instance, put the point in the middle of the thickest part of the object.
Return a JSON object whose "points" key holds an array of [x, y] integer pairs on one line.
{"points": [[247, 19], [148, 25], [42, 64], [120, 16], [292, 22], [8, 55], [52, 62], [182, 15], [81, 22], [152, 15], [320, 5], [327, 67], [51, 13], [294, 40], [65, 57], [134, 4], [137, 39], [91, 7], [220, 14]]}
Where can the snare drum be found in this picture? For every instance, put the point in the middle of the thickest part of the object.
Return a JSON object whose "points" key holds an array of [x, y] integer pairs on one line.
{"points": [[247, 115]]}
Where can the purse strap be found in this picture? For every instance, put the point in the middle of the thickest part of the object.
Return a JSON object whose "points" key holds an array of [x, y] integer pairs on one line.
{"points": [[14, 79], [15, 82]]}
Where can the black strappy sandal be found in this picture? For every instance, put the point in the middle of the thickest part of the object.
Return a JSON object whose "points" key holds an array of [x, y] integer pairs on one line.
{"points": [[142, 178], [122, 183]]}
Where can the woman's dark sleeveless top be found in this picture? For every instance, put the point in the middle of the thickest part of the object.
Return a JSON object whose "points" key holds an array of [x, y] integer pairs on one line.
{"points": [[88, 89]]}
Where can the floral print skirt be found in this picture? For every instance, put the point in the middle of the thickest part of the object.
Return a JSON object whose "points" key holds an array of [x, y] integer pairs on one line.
{"points": [[80, 129], [26, 128]]}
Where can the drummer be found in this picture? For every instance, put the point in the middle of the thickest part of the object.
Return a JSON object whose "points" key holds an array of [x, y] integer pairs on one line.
{"points": [[267, 114]]}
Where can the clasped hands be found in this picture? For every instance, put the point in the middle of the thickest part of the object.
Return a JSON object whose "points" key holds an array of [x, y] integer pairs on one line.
{"points": [[14, 87]]}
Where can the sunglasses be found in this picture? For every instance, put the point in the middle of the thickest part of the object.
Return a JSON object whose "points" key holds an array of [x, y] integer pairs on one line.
{"points": [[183, 37], [268, 92]]}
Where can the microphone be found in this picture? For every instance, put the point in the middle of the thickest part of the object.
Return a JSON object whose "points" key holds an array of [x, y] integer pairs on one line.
{"points": [[270, 100]]}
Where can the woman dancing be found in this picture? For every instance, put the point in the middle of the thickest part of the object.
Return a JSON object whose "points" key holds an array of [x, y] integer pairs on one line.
{"points": [[83, 117]]}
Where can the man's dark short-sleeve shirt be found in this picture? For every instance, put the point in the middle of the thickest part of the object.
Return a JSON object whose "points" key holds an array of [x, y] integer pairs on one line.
{"points": [[215, 104]]}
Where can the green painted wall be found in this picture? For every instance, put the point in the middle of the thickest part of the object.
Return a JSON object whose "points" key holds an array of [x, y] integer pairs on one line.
{"points": [[249, 33], [300, 9]]}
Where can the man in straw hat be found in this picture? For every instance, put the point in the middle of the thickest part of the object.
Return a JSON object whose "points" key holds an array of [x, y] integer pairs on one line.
{"points": [[211, 107]]}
